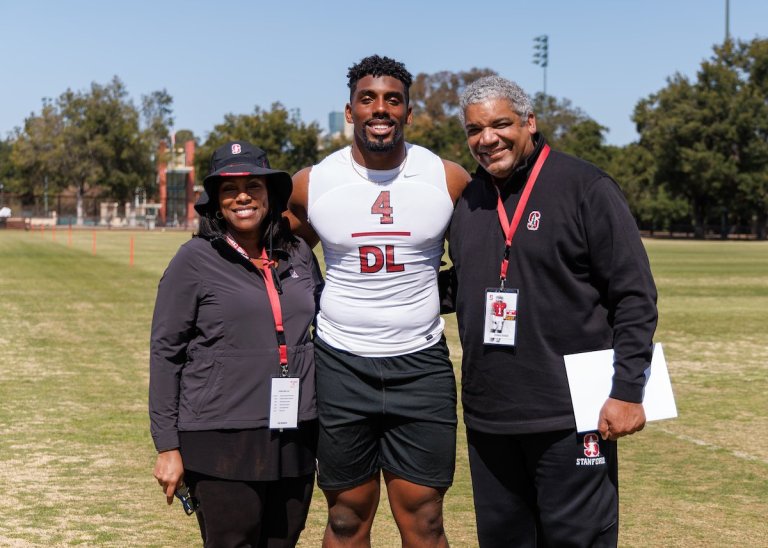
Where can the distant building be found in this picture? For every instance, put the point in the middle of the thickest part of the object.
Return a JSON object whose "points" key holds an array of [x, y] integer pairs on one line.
{"points": [[176, 180], [337, 125], [335, 122]]}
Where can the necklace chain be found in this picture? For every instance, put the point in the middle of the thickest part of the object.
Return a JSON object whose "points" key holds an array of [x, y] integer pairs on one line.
{"points": [[356, 166]]}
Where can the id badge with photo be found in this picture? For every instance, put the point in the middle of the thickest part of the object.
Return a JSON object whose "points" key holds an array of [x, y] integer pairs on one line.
{"points": [[500, 317], [284, 403]]}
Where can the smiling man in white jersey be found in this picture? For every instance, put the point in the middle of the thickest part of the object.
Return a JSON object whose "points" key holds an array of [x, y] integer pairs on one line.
{"points": [[385, 384]]}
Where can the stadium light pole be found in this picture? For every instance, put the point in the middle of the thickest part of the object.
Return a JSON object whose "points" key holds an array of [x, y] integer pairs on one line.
{"points": [[541, 55]]}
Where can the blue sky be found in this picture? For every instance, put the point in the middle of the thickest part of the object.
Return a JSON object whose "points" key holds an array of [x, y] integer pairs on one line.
{"points": [[219, 57]]}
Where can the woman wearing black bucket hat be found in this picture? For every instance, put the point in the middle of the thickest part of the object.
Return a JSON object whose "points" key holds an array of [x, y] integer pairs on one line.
{"points": [[231, 391]]}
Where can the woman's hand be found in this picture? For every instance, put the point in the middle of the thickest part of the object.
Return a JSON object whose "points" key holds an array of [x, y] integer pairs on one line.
{"points": [[169, 471]]}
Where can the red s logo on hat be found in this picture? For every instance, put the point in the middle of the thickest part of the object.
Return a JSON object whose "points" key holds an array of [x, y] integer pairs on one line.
{"points": [[236, 149]]}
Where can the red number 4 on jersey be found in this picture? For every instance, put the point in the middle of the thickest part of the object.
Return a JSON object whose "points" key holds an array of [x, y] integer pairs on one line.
{"points": [[382, 207]]}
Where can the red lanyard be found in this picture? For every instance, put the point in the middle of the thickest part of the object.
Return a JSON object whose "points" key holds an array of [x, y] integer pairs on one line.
{"points": [[274, 300], [510, 229]]}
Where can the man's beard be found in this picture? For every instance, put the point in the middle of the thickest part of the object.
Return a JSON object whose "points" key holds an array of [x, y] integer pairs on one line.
{"points": [[377, 144]]}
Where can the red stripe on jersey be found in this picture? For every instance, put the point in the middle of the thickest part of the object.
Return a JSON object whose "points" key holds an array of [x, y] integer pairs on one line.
{"points": [[382, 233]]}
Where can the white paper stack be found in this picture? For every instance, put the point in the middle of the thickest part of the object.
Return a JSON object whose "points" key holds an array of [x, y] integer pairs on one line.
{"points": [[590, 377]]}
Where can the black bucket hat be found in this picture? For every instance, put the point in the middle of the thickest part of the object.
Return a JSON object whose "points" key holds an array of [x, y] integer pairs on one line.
{"points": [[238, 158]]}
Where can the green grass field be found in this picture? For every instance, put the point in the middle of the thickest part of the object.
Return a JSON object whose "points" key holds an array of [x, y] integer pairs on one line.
{"points": [[76, 457]]}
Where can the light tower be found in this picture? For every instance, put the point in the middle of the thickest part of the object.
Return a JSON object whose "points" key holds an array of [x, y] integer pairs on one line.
{"points": [[541, 55]]}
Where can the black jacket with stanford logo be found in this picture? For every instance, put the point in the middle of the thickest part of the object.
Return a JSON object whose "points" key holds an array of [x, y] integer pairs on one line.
{"points": [[584, 284]]}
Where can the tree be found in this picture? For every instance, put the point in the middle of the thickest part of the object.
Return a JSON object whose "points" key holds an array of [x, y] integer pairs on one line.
{"points": [[570, 130], [91, 139], [751, 110], [331, 143], [435, 102], [157, 114], [445, 137], [8, 174], [34, 154], [634, 168], [554, 119], [289, 143], [157, 117], [585, 140], [437, 95], [184, 135], [103, 133], [709, 136], [668, 127]]}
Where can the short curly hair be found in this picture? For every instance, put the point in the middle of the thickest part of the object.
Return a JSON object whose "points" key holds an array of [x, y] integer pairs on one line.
{"points": [[375, 65], [495, 87]]}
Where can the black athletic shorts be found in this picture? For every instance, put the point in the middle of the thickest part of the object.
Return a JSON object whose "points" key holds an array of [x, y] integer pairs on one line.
{"points": [[393, 413]]}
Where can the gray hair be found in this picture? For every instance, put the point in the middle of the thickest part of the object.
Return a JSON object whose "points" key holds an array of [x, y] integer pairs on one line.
{"points": [[495, 87]]}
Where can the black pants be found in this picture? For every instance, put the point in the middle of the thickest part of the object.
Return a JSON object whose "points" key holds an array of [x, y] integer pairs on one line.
{"points": [[264, 514], [553, 489]]}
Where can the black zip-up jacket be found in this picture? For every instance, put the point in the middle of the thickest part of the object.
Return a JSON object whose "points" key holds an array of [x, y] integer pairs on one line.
{"points": [[214, 347], [584, 284]]}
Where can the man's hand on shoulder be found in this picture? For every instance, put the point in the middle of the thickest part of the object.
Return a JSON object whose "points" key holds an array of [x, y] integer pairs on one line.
{"points": [[297, 208], [620, 418], [456, 178]]}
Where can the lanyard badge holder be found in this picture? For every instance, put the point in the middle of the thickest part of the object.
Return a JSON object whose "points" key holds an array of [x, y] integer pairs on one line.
{"points": [[284, 398], [501, 311], [500, 326]]}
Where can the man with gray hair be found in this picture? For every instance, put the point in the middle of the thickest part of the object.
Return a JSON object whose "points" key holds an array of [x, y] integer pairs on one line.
{"points": [[552, 237]]}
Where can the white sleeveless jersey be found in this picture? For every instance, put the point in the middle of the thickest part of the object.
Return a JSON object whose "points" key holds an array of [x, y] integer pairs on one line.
{"points": [[382, 243]]}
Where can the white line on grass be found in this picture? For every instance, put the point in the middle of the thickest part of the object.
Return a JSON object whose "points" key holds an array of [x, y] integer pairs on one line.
{"points": [[738, 454]]}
